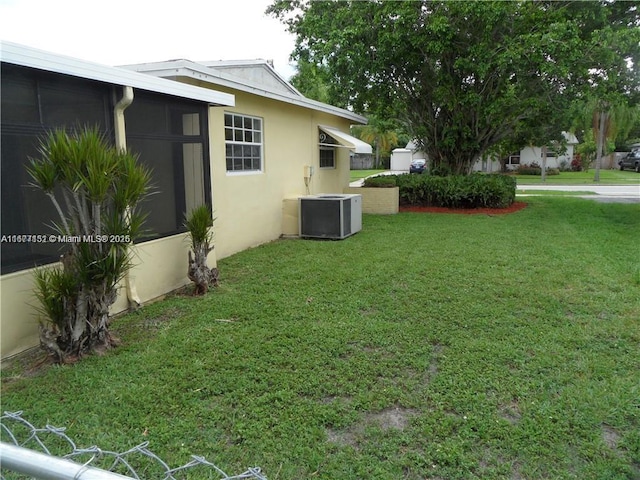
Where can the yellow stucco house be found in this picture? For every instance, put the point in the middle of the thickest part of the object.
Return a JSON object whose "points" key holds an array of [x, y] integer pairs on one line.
{"points": [[234, 135]]}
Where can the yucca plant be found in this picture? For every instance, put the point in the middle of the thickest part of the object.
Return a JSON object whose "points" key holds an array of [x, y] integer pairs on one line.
{"points": [[199, 223], [95, 189]]}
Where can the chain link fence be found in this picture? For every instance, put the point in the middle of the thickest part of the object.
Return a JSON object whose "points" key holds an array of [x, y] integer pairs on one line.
{"points": [[48, 453]]}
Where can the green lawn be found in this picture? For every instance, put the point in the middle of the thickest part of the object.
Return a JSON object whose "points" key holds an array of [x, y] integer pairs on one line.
{"points": [[607, 177], [358, 174], [427, 346]]}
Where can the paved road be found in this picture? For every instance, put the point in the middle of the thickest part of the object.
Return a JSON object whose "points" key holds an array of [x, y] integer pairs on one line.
{"points": [[604, 193]]}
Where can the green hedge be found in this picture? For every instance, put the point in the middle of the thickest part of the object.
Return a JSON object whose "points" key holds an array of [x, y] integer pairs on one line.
{"points": [[456, 191], [381, 181]]}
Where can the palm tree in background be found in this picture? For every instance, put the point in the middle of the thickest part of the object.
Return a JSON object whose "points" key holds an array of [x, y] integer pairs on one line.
{"points": [[381, 134]]}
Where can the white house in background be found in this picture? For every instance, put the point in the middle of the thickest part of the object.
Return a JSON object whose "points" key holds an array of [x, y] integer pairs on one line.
{"points": [[526, 156]]}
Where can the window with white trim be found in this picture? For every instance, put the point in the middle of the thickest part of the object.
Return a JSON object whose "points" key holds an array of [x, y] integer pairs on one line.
{"points": [[514, 159], [327, 150], [243, 142], [327, 157]]}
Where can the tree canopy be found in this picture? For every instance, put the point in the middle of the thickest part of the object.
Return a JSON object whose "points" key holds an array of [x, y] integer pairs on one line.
{"points": [[465, 76]]}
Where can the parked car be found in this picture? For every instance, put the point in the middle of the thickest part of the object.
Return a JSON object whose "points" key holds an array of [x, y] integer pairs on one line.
{"points": [[631, 161], [417, 166]]}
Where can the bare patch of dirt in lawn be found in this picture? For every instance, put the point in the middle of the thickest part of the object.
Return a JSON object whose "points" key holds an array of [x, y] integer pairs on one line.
{"points": [[610, 437], [396, 418], [510, 413]]}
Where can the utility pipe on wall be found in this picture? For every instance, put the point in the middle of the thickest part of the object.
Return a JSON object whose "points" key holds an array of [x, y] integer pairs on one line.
{"points": [[121, 145]]}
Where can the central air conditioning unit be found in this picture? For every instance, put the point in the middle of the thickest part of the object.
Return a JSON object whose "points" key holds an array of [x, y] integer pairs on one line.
{"points": [[331, 216]]}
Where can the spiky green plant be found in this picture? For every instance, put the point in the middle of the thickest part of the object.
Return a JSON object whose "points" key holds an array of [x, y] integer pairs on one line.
{"points": [[199, 223], [96, 190]]}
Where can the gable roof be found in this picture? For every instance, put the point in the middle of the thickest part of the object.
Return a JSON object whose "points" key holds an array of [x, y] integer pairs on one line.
{"points": [[220, 75], [25, 56], [258, 71]]}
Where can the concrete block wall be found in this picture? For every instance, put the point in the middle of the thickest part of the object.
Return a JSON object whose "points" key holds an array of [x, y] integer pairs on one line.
{"points": [[381, 201]]}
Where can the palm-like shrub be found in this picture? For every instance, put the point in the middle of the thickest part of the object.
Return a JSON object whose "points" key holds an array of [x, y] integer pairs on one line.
{"points": [[95, 190], [199, 223]]}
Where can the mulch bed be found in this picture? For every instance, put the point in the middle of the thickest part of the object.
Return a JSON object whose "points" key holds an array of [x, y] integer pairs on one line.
{"points": [[514, 207]]}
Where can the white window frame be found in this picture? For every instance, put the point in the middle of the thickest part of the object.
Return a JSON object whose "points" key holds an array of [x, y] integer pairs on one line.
{"points": [[333, 151], [248, 135], [509, 162]]}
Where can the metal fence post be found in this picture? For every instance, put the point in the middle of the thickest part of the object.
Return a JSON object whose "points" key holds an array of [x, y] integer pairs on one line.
{"points": [[41, 466]]}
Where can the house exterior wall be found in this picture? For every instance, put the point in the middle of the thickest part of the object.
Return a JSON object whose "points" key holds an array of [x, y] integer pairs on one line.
{"points": [[248, 207], [530, 155], [18, 315]]}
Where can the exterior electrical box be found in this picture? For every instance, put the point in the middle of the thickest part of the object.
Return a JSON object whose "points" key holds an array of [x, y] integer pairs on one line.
{"points": [[331, 216]]}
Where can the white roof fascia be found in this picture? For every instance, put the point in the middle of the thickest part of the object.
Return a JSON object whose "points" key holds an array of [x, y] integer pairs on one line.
{"points": [[358, 146], [39, 59], [186, 68]]}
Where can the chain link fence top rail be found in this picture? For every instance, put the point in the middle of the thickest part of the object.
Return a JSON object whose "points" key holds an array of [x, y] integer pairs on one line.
{"points": [[138, 463]]}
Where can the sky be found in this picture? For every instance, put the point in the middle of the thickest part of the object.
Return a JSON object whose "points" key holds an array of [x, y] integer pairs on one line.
{"points": [[120, 32]]}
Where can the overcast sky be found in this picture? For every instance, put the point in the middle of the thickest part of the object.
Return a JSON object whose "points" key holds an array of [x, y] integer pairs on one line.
{"points": [[119, 32]]}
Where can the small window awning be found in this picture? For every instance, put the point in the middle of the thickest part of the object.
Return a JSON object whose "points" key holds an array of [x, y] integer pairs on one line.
{"points": [[346, 140]]}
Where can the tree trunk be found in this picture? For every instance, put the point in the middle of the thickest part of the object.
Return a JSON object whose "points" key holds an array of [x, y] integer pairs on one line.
{"points": [[199, 272], [602, 123], [543, 171]]}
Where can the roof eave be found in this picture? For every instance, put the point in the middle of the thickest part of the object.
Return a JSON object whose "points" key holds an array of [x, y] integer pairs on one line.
{"points": [[41, 60], [187, 69]]}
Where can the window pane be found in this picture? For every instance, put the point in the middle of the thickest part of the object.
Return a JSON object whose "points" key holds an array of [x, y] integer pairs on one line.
{"points": [[228, 119], [327, 158], [244, 145]]}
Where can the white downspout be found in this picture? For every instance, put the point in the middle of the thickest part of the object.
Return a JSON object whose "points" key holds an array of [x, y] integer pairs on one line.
{"points": [[121, 145]]}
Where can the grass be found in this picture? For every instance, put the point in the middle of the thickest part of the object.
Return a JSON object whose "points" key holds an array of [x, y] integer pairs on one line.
{"points": [[358, 174], [607, 177], [426, 346]]}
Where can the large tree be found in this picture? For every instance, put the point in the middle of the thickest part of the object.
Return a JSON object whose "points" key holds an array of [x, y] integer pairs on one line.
{"points": [[463, 76]]}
